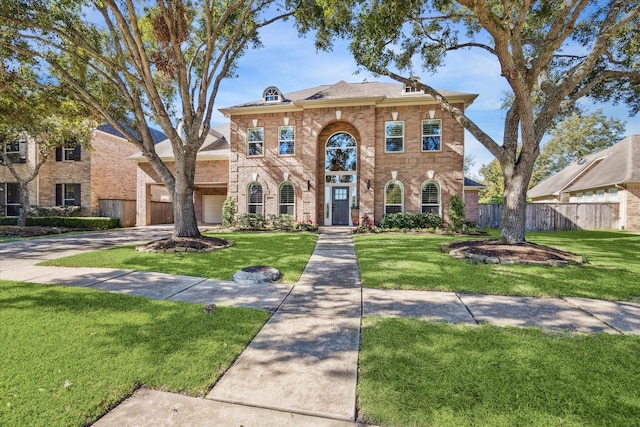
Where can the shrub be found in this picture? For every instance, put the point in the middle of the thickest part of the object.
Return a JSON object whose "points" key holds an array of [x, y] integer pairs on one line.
{"points": [[60, 211], [281, 222], [81, 223], [456, 214], [410, 220], [229, 212], [252, 221], [306, 225]]}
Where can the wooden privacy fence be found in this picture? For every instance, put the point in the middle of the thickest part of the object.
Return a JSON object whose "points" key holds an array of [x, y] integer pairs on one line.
{"points": [[118, 208], [558, 216], [161, 213]]}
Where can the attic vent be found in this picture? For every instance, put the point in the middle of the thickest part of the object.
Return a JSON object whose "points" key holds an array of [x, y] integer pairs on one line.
{"points": [[581, 161]]}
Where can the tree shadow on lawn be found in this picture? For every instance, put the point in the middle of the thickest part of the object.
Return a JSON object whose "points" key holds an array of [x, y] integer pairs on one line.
{"points": [[113, 342]]}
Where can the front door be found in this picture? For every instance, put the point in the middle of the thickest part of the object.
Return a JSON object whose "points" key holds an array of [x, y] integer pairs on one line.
{"points": [[340, 204]]}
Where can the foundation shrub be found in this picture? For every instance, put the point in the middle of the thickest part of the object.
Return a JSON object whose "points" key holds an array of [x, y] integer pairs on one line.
{"points": [[410, 220]]}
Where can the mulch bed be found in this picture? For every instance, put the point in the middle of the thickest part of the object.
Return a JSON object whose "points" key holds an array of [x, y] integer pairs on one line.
{"points": [[523, 251], [185, 244]]}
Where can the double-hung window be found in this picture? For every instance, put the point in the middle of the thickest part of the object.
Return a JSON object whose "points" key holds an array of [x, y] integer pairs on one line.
{"points": [[431, 197], [255, 201], [394, 136], [68, 194], [255, 139], [287, 199], [393, 197], [432, 135], [286, 140]]}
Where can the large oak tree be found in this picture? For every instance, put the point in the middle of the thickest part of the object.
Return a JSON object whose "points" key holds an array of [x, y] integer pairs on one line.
{"points": [[551, 53], [142, 64]]}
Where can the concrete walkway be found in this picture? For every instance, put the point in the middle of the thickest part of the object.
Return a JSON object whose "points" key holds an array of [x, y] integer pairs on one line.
{"points": [[301, 368]]}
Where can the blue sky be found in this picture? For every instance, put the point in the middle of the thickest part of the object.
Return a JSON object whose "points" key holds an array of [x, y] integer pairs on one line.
{"points": [[290, 62]]}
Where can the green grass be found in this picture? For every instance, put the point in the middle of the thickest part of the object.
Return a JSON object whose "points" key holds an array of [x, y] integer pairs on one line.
{"points": [[288, 252], [418, 373], [68, 353], [414, 261]]}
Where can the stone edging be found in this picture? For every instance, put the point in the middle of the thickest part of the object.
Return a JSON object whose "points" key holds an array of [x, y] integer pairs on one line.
{"points": [[182, 249], [458, 254]]}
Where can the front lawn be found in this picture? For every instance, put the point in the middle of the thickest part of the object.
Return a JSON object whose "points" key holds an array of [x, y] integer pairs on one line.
{"points": [[69, 353], [419, 373], [288, 252], [414, 261]]}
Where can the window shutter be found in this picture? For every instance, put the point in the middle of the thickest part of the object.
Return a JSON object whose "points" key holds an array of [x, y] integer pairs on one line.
{"points": [[76, 194], [59, 194], [58, 154], [76, 153]]}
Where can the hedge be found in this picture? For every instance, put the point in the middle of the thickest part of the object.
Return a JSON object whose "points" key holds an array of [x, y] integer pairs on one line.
{"points": [[83, 223]]}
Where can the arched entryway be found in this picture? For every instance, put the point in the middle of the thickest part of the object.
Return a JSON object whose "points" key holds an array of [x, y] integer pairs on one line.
{"points": [[340, 177]]}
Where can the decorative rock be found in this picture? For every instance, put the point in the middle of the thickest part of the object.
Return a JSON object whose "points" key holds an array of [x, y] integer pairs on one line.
{"points": [[181, 249], [507, 261], [492, 260], [256, 274]]}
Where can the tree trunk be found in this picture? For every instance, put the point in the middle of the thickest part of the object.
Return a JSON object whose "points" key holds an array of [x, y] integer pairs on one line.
{"points": [[514, 202], [24, 203], [184, 212]]}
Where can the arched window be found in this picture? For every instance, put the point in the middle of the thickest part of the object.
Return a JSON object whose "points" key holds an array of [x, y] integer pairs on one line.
{"points": [[271, 94], [431, 197], [287, 199], [341, 158], [254, 202], [393, 197]]}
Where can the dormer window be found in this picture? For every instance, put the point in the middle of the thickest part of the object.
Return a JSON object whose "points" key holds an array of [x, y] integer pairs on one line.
{"points": [[413, 89], [271, 94]]}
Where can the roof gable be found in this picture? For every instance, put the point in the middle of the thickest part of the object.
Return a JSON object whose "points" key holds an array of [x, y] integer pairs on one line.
{"points": [[343, 91], [617, 164]]}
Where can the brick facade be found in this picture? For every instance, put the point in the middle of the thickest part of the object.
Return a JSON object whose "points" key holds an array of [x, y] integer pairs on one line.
{"points": [[632, 207], [103, 172], [365, 122]]}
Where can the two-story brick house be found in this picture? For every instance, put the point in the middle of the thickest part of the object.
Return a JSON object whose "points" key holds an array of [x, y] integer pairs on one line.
{"points": [[315, 153], [73, 175]]}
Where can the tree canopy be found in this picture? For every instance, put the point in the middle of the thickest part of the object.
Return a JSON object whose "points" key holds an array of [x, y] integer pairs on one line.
{"points": [[551, 53], [141, 64], [574, 137]]}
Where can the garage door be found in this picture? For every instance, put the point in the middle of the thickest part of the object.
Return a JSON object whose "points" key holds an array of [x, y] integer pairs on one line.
{"points": [[212, 209]]}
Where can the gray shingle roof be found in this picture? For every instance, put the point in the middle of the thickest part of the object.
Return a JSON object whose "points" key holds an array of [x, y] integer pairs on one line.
{"points": [[216, 145], [343, 90], [617, 164], [157, 135]]}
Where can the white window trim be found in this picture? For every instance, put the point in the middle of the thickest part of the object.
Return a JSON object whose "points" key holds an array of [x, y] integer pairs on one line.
{"points": [[249, 143], [401, 136], [292, 204], [386, 187], [65, 200], [612, 195], [287, 140], [430, 134], [249, 204], [438, 188]]}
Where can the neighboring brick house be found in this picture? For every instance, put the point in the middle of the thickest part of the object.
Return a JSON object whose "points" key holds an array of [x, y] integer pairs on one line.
{"points": [[210, 185], [611, 175], [315, 153], [74, 175], [471, 197]]}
